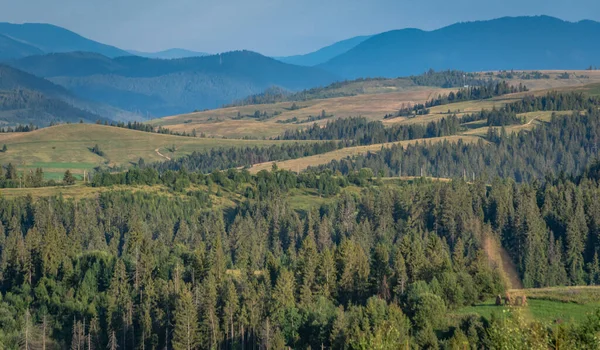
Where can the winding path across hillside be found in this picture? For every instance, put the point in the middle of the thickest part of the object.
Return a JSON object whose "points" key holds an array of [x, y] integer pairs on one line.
{"points": [[161, 155]]}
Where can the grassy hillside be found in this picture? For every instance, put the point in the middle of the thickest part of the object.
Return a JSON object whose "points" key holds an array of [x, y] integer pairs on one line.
{"points": [[68, 147], [372, 99], [547, 305], [281, 115]]}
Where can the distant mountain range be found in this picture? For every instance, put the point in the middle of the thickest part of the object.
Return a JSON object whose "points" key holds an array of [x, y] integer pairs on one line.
{"points": [[325, 54], [169, 54], [38, 38], [156, 87], [117, 84], [507, 43]]}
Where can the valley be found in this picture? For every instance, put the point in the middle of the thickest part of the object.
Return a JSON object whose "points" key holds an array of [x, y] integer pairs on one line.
{"points": [[418, 189]]}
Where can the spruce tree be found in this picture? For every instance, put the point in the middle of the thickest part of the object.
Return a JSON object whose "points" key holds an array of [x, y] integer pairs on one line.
{"points": [[185, 334], [68, 178]]}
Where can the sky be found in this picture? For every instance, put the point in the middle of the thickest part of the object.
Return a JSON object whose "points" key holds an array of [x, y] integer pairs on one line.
{"points": [[271, 27]]}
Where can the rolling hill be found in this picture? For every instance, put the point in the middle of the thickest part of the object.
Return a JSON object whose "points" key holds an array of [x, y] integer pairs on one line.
{"points": [[67, 146], [369, 98], [506, 43], [325, 54], [49, 38], [155, 87]]}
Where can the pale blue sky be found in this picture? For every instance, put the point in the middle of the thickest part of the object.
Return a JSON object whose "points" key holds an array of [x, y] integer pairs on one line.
{"points": [[272, 27]]}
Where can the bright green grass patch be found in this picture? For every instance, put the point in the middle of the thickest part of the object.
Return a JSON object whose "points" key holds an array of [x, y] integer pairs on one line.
{"points": [[548, 311], [545, 311], [484, 309], [305, 200], [593, 90], [579, 295], [58, 176], [475, 124], [60, 165]]}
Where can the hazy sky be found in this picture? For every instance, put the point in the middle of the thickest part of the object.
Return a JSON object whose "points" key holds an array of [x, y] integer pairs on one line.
{"points": [[272, 27]]}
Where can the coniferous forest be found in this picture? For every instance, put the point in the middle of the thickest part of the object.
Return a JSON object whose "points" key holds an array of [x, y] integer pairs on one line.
{"points": [[338, 200], [378, 266], [226, 259]]}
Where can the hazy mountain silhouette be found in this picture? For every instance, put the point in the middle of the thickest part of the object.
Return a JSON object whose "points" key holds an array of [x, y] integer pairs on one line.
{"points": [[169, 54], [10, 48], [27, 98], [155, 87], [50, 39], [325, 54], [507, 43]]}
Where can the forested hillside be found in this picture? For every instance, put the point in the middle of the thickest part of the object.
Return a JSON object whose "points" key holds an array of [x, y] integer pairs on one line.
{"points": [[446, 210], [25, 99], [31, 107], [376, 266]]}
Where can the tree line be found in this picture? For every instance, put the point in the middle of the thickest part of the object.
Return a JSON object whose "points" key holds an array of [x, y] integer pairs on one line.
{"points": [[225, 158], [363, 132], [476, 93], [19, 128], [444, 79], [565, 143]]}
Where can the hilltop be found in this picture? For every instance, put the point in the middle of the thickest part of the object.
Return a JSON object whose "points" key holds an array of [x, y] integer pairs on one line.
{"points": [[325, 54], [169, 54]]}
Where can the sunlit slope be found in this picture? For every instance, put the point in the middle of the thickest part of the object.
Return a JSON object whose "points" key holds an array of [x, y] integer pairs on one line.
{"points": [[68, 146]]}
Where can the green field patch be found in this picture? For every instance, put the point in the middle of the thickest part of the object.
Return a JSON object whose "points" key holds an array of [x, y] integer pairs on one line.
{"points": [[549, 311], [593, 90], [304, 200], [545, 311], [58, 176], [476, 124], [59, 165]]}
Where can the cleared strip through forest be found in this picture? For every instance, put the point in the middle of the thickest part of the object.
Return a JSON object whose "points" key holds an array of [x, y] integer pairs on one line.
{"points": [[500, 257]]}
